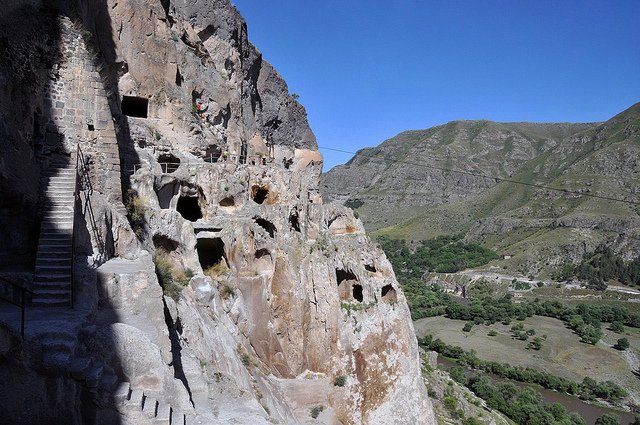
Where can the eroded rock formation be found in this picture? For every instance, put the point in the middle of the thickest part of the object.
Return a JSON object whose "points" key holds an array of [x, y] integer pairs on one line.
{"points": [[264, 305]]}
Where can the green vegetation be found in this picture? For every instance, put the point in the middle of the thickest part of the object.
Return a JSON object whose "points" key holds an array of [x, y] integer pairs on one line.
{"points": [[607, 419], [136, 210], [584, 319], [171, 276], [601, 266], [340, 381], [444, 254], [523, 406], [315, 411], [588, 389], [622, 344]]}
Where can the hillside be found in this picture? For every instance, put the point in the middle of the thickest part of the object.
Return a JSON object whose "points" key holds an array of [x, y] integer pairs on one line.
{"points": [[399, 188]]}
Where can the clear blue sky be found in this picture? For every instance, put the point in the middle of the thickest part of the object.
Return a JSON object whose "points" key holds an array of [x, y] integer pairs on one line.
{"points": [[367, 70]]}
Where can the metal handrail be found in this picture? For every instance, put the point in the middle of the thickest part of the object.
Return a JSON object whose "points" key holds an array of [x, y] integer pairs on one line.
{"points": [[76, 198], [22, 303]]}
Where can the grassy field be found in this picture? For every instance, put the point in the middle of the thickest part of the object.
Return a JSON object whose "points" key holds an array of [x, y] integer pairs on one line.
{"points": [[562, 353]]}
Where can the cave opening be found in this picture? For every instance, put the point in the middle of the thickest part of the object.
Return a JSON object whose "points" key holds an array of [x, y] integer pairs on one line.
{"points": [[263, 252], [370, 268], [259, 194], [164, 243], [134, 106], [212, 153], [389, 294], [294, 220], [266, 225], [168, 162], [357, 292], [227, 202], [342, 275], [211, 252], [189, 208]]}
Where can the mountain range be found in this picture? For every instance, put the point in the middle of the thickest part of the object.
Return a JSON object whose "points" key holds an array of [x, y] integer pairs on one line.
{"points": [[539, 193]]}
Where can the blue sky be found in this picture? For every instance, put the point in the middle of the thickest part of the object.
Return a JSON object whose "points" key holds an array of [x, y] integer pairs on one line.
{"points": [[367, 70]]}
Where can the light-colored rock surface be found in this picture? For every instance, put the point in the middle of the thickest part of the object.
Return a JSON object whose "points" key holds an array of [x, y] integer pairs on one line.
{"points": [[274, 294]]}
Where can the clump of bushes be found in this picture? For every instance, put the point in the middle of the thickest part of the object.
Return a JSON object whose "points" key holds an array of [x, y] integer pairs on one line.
{"points": [[172, 277], [340, 381], [136, 210], [315, 411]]}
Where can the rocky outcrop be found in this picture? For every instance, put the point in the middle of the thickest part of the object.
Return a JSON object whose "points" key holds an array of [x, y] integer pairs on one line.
{"points": [[213, 283]]}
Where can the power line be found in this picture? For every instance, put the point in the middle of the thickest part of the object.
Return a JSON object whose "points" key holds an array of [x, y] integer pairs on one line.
{"points": [[486, 176]]}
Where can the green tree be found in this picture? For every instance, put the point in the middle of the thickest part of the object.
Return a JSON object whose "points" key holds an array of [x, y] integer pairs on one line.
{"points": [[607, 419], [622, 344]]}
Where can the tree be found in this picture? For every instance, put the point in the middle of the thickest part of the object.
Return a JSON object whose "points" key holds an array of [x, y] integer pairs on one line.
{"points": [[608, 419], [617, 327], [622, 344]]}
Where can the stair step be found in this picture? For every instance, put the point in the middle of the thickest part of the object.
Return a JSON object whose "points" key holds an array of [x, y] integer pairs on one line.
{"points": [[135, 399], [50, 303], [163, 416], [52, 294], [61, 286], [54, 255], [53, 271], [121, 394], [48, 262], [52, 278], [150, 406]]}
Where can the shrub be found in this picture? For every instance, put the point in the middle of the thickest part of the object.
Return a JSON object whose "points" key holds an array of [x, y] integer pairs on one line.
{"points": [[492, 332], [136, 210], [622, 344], [467, 327], [315, 411], [172, 278], [216, 270], [340, 381]]}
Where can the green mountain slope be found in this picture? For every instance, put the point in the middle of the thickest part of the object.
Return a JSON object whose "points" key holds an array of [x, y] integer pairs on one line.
{"points": [[539, 228]]}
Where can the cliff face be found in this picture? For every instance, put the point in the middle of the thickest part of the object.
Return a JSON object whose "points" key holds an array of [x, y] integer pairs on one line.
{"points": [[264, 305]]}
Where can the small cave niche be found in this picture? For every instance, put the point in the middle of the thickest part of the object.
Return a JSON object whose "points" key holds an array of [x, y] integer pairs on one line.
{"points": [[134, 106], [263, 252], [166, 193], [212, 153], [259, 194], [211, 252], [294, 220], [266, 225], [357, 292], [168, 162], [164, 243], [346, 281], [342, 275], [389, 294], [91, 127], [227, 202], [370, 268], [179, 77], [189, 208]]}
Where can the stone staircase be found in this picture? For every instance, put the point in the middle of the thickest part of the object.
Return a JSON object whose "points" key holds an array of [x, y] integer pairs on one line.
{"points": [[53, 274], [131, 402]]}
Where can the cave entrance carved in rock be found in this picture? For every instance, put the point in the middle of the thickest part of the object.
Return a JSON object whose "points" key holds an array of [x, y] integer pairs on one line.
{"points": [[134, 106], [211, 253], [189, 208]]}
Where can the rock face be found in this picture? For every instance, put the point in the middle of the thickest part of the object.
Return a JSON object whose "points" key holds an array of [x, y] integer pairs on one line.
{"points": [[404, 187], [264, 305]]}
